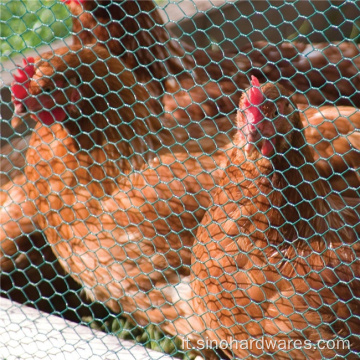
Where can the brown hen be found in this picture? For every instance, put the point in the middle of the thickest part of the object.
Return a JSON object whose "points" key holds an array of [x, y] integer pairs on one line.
{"points": [[115, 194], [276, 263]]}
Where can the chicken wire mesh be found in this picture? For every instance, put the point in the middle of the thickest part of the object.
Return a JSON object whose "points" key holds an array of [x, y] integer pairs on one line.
{"points": [[139, 197]]}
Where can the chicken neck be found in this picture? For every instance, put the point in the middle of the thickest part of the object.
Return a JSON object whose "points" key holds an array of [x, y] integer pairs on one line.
{"points": [[288, 196]]}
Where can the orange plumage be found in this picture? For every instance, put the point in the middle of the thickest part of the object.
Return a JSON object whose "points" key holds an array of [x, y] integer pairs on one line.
{"points": [[276, 257], [115, 195]]}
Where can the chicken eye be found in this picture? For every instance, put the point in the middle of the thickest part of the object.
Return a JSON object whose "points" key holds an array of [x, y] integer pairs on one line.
{"points": [[47, 89]]}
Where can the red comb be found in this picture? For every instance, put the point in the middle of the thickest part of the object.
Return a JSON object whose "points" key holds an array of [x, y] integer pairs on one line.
{"points": [[254, 81], [255, 97], [20, 86]]}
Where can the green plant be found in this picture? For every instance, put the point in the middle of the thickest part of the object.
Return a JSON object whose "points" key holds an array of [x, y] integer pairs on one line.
{"points": [[27, 24]]}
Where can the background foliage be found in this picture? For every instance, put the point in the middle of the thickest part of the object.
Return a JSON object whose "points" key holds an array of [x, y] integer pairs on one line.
{"points": [[28, 24]]}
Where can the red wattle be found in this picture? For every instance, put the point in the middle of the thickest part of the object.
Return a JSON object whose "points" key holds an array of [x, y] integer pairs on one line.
{"points": [[19, 91], [21, 84], [267, 148], [49, 117]]}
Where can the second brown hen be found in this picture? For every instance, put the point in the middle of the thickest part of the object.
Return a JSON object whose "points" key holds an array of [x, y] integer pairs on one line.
{"points": [[276, 266]]}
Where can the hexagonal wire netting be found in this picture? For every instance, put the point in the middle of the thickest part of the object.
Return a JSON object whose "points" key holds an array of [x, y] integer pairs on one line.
{"points": [[140, 199]]}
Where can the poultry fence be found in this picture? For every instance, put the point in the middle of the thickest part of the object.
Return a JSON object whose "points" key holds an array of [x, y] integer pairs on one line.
{"points": [[180, 177]]}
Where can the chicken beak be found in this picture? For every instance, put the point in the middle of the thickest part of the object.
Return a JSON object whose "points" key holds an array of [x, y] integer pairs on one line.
{"points": [[249, 149], [253, 139]]}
